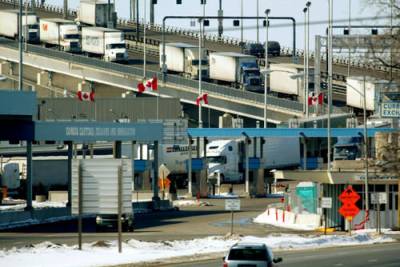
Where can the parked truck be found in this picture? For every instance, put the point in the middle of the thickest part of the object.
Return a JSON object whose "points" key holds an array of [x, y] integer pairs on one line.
{"points": [[109, 44], [286, 80], [95, 13], [238, 70], [9, 25], [183, 59], [61, 33], [226, 158]]}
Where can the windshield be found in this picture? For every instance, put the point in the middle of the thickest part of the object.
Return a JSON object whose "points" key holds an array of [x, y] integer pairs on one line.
{"points": [[33, 26], [71, 36], [217, 159], [347, 152], [252, 72], [195, 62], [248, 254], [115, 46]]}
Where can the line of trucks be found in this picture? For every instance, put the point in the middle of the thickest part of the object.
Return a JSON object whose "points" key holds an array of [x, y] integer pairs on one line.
{"points": [[84, 36]]}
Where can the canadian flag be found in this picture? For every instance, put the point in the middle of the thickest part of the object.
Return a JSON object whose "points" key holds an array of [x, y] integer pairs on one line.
{"points": [[203, 97], [150, 84], [314, 99], [85, 96]]}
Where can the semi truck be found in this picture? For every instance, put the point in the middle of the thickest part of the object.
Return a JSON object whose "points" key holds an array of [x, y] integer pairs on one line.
{"points": [[61, 33], [226, 158], [109, 44], [95, 13], [283, 80], [183, 59], [237, 70], [9, 25]]}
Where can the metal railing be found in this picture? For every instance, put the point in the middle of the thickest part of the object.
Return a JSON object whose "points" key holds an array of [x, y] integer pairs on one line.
{"points": [[214, 89], [286, 51]]}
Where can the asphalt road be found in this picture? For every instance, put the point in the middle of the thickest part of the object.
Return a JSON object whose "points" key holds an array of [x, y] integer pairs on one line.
{"points": [[187, 223], [382, 255]]}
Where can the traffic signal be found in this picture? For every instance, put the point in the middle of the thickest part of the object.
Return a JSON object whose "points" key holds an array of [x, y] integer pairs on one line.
{"points": [[236, 23], [154, 2], [179, 2], [206, 23]]}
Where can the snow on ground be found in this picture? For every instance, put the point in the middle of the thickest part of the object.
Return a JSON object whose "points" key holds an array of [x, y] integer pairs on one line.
{"points": [[135, 251], [36, 205], [188, 203], [289, 220]]}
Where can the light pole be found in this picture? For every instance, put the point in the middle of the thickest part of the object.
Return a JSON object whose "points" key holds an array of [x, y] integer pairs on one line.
{"points": [[144, 39], [200, 76], [241, 25], [20, 66], [330, 72], [348, 65], [305, 104], [266, 67], [258, 26], [308, 4]]}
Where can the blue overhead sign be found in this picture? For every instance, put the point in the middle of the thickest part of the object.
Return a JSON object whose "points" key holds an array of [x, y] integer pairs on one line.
{"points": [[97, 131], [390, 109]]}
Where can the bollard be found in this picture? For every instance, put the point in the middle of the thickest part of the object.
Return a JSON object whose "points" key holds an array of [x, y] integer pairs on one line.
{"points": [[283, 215], [276, 214]]}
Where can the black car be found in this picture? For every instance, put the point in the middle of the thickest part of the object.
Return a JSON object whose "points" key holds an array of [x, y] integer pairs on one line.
{"points": [[257, 49]]}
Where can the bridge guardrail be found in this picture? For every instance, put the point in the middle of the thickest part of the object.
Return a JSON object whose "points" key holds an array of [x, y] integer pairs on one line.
{"points": [[174, 79], [212, 37]]}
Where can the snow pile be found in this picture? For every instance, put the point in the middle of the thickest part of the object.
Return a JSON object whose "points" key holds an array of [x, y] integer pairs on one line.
{"points": [[188, 203], [223, 196], [103, 253], [36, 205], [286, 219]]}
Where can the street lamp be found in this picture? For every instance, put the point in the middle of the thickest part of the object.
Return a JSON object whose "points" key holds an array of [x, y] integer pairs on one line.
{"points": [[258, 26], [144, 39], [266, 67], [305, 107], [365, 137], [330, 73], [308, 4]]}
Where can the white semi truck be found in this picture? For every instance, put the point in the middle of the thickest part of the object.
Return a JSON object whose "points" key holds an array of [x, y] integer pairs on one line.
{"points": [[237, 70], [283, 80], [9, 25], [61, 33], [109, 44], [183, 59], [226, 158], [95, 13]]}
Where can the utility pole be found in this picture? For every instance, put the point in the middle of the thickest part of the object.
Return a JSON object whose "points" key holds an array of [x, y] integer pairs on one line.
{"points": [[20, 41], [132, 10], [137, 21], [220, 20], [151, 12], [258, 25], [65, 10]]}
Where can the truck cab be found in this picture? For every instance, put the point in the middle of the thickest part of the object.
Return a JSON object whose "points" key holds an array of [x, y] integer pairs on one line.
{"points": [[223, 161], [116, 52], [347, 148], [70, 38], [30, 32], [250, 77]]}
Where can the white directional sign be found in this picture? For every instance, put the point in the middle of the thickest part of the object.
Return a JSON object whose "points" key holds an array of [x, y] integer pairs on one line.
{"points": [[232, 204], [326, 203], [379, 198], [390, 109]]}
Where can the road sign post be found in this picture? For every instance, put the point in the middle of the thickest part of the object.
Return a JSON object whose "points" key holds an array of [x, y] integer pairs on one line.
{"points": [[378, 199], [232, 205], [326, 203], [348, 209]]}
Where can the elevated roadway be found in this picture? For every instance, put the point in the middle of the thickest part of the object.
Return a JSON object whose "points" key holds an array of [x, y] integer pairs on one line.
{"points": [[225, 99]]}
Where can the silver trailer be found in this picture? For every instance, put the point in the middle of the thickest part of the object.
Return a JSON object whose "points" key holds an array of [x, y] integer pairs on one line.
{"points": [[9, 25]]}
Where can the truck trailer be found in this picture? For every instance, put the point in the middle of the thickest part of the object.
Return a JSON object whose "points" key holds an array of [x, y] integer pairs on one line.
{"points": [[109, 44], [237, 70], [95, 13], [183, 59], [9, 25], [61, 33], [283, 80]]}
